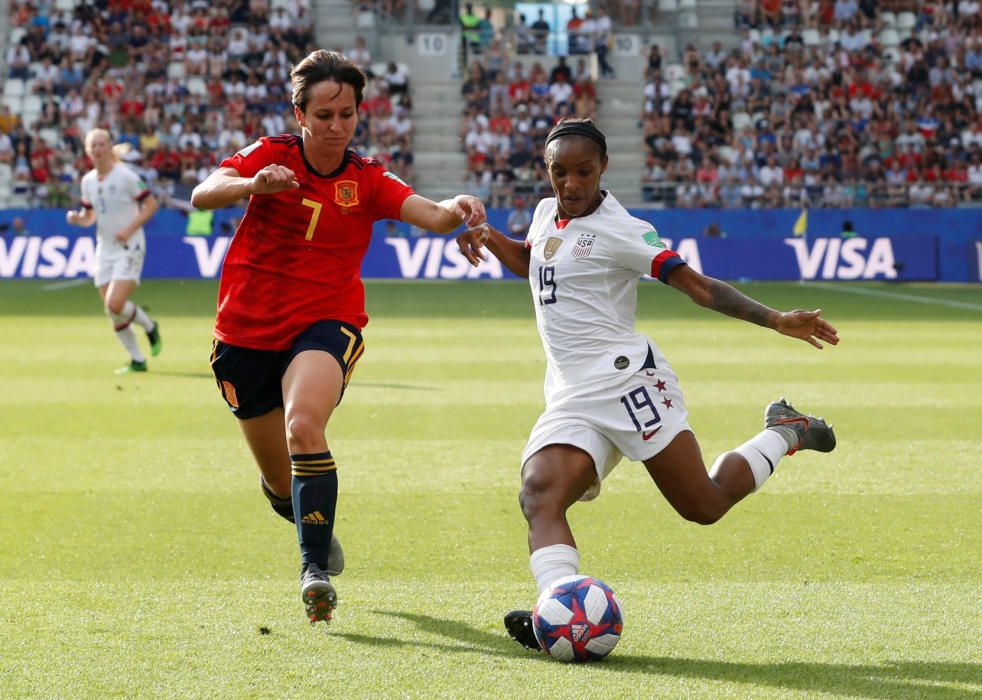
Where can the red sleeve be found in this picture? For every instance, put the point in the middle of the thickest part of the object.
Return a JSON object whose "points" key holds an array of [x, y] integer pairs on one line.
{"points": [[665, 262], [389, 193], [251, 159]]}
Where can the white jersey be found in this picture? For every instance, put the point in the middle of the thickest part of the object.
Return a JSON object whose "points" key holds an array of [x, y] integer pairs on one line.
{"points": [[116, 200], [584, 278]]}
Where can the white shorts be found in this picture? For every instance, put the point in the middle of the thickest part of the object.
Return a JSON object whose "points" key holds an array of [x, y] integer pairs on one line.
{"points": [[114, 262], [636, 418]]}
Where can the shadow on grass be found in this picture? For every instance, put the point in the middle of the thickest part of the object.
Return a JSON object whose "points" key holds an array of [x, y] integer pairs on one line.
{"points": [[404, 387], [902, 679], [187, 375]]}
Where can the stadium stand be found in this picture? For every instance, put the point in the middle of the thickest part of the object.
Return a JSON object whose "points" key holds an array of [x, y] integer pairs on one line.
{"points": [[803, 102], [185, 82], [823, 104]]}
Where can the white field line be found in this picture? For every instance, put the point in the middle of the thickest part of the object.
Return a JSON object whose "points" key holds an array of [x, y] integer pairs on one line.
{"points": [[66, 284], [899, 296]]}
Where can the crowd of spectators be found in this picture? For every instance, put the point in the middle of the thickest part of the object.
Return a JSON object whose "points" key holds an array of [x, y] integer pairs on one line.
{"points": [[824, 104], [184, 82], [508, 114], [510, 103]]}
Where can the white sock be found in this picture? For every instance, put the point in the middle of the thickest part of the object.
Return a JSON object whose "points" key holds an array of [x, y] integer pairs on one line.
{"points": [[136, 312], [763, 452], [551, 563], [124, 331], [128, 338]]}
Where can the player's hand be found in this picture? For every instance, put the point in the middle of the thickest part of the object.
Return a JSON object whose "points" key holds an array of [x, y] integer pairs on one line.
{"points": [[72, 217], [470, 209], [472, 241], [273, 179], [808, 326]]}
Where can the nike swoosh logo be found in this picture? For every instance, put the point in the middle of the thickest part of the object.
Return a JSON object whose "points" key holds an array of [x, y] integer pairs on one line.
{"points": [[648, 436], [649, 373]]}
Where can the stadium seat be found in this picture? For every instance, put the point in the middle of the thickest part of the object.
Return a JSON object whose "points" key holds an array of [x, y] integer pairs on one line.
{"points": [[12, 101], [16, 34], [811, 37], [889, 37], [833, 37], [727, 153], [676, 86], [674, 71], [49, 135], [29, 118], [687, 4], [175, 69], [906, 20], [688, 19], [889, 19], [365, 19], [196, 85], [740, 120], [14, 87], [31, 103], [754, 35], [279, 3], [6, 175], [891, 54], [67, 5], [668, 5]]}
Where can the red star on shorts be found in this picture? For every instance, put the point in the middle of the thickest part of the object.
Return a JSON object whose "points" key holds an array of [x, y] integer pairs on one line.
{"points": [[668, 402], [660, 385]]}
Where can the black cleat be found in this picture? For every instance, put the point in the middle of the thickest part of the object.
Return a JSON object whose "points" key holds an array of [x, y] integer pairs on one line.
{"points": [[153, 335], [809, 432], [519, 626]]}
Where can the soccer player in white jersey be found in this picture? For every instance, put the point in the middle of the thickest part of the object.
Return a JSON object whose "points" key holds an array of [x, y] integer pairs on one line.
{"points": [[609, 390], [117, 200]]}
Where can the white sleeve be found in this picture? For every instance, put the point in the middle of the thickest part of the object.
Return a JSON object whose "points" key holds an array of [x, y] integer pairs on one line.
{"points": [[639, 247], [85, 193]]}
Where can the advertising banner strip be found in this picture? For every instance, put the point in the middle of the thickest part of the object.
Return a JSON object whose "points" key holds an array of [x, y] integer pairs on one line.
{"points": [[898, 258]]}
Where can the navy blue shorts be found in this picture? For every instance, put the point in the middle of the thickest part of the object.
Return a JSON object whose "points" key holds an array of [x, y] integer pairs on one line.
{"points": [[251, 380]]}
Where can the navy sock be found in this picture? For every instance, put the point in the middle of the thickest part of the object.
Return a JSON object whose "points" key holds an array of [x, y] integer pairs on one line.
{"points": [[315, 498]]}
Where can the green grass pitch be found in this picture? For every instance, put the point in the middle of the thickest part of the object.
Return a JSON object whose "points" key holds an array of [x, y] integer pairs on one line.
{"points": [[138, 558]]}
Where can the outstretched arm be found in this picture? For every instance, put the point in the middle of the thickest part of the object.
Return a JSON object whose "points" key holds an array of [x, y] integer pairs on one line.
{"points": [[445, 216], [513, 254], [225, 186], [719, 296]]}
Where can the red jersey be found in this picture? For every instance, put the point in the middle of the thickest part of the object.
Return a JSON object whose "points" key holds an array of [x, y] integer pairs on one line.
{"points": [[296, 257]]}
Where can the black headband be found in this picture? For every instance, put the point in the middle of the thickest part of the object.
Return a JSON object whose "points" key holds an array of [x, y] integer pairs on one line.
{"points": [[578, 129]]}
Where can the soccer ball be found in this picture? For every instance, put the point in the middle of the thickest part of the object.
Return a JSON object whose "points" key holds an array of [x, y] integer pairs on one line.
{"points": [[578, 618]]}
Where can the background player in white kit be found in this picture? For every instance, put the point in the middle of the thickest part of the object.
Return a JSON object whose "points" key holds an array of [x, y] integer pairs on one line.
{"points": [[609, 390], [117, 200]]}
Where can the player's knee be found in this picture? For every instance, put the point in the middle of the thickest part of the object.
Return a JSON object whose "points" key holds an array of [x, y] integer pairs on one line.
{"points": [[699, 512], [304, 433], [536, 497], [114, 307]]}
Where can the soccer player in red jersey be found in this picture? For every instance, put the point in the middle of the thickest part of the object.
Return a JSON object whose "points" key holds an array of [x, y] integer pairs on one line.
{"points": [[291, 304]]}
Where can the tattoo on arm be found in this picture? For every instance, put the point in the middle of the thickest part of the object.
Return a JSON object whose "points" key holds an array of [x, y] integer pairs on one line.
{"points": [[727, 300]]}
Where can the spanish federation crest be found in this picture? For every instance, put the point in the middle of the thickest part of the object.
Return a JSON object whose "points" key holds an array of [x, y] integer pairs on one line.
{"points": [[551, 246], [346, 193], [584, 245]]}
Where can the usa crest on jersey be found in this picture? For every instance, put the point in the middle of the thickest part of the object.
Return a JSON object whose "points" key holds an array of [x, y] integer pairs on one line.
{"points": [[583, 246]]}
